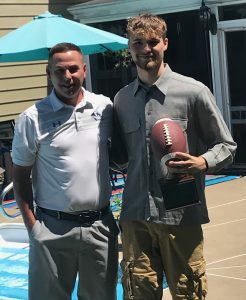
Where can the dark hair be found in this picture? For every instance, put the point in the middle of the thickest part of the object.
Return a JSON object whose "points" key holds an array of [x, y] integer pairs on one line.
{"points": [[63, 47]]}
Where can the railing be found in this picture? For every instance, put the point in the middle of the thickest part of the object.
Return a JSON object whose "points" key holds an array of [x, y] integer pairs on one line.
{"points": [[4, 192]]}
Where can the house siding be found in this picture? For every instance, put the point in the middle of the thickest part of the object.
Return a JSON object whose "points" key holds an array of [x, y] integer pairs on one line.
{"points": [[22, 84]]}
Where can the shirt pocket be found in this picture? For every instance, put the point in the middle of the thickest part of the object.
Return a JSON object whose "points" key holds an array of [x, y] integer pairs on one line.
{"points": [[130, 127], [134, 139]]}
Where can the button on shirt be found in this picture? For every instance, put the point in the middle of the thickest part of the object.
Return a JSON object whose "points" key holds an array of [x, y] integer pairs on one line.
{"points": [[192, 106], [68, 149]]}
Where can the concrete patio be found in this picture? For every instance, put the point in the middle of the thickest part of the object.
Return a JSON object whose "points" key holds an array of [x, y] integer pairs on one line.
{"points": [[225, 241]]}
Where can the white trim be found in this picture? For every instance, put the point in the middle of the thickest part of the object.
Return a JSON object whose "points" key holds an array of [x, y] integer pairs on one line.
{"points": [[215, 69], [223, 2], [221, 66], [91, 12], [215, 66], [119, 10], [225, 78], [233, 25], [236, 108]]}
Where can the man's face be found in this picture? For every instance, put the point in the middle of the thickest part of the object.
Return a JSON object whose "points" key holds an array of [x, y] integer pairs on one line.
{"points": [[67, 73], [147, 51]]}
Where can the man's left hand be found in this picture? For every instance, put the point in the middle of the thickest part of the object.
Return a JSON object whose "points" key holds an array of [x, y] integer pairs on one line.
{"points": [[188, 163]]}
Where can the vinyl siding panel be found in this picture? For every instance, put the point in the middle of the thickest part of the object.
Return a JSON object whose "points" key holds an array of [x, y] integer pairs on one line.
{"points": [[22, 84], [25, 69], [26, 10], [12, 23], [27, 1], [14, 109], [27, 94]]}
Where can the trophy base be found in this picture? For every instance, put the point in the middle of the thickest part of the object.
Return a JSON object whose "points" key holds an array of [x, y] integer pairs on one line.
{"points": [[179, 192]]}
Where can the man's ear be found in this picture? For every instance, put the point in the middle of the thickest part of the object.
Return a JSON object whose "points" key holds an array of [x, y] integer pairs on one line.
{"points": [[84, 69], [165, 41], [48, 71]]}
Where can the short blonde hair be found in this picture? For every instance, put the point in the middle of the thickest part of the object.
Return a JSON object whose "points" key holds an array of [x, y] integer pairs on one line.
{"points": [[146, 24]]}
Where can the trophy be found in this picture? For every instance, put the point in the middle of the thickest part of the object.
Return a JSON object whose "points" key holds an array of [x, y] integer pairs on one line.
{"points": [[178, 186]]}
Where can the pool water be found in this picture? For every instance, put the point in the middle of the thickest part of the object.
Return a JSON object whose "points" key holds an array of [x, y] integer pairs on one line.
{"points": [[13, 275]]}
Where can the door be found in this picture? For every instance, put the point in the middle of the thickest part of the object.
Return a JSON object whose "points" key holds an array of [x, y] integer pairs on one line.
{"points": [[232, 40]]}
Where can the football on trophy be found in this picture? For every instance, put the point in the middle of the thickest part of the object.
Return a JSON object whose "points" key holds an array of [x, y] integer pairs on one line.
{"points": [[167, 137]]}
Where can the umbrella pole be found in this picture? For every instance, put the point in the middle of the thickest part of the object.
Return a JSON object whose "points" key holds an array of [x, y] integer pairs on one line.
{"points": [[88, 73]]}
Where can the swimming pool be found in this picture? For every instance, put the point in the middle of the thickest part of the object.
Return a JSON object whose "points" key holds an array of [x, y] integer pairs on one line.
{"points": [[14, 248], [13, 275]]}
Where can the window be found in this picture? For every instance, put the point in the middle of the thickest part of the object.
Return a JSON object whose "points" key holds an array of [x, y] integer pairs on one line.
{"points": [[232, 12]]}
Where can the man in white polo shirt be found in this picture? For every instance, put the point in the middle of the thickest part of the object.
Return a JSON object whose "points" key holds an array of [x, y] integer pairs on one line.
{"points": [[61, 143]]}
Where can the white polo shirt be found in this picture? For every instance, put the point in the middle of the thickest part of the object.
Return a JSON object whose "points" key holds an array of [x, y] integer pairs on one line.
{"points": [[68, 149]]}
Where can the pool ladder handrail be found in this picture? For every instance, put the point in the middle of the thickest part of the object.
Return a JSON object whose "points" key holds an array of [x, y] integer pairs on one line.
{"points": [[4, 192]]}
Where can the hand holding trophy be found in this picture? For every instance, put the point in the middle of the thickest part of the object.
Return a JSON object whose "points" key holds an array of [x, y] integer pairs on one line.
{"points": [[169, 144]]}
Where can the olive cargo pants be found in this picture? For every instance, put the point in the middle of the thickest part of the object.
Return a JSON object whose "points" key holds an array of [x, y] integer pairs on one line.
{"points": [[151, 249]]}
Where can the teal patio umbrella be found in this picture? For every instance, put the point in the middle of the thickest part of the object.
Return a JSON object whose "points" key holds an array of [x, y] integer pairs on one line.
{"points": [[33, 40]]}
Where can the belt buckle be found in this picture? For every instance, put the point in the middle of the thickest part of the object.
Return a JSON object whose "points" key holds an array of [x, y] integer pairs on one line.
{"points": [[86, 218], [58, 215]]}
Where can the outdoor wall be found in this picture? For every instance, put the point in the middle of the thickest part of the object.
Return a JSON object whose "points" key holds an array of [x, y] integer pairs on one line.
{"points": [[22, 84]]}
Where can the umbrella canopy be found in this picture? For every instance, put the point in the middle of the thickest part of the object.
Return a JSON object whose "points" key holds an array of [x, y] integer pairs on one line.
{"points": [[33, 40]]}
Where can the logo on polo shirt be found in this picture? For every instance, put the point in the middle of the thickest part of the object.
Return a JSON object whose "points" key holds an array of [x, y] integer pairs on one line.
{"points": [[55, 124], [96, 115]]}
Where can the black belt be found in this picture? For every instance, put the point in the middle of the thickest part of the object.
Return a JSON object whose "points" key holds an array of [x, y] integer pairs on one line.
{"points": [[86, 217]]}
